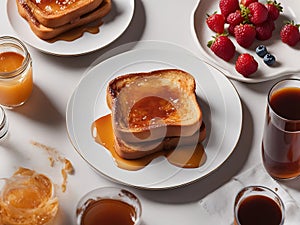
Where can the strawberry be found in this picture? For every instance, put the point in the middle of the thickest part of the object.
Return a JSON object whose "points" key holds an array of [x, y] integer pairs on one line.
{"points": [[289, 33], [230, 29], [245, 34], [216, 22], [247, 2], [271, 24], [228, 6], [264, 30], [223, 47], [258, 13], [274, 9], [246, 64], [234, 19]]}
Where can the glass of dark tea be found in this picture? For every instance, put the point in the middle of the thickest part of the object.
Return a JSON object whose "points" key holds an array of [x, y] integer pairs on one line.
{"points": [[281, 137], [109, 206], [258, 205]]}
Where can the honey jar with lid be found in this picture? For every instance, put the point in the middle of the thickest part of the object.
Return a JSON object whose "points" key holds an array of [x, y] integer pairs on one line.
{"points": [[16, 82]]}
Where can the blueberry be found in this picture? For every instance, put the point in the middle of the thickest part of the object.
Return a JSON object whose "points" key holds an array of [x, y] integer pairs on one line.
{"points": [[261, 50], [269, 59]]}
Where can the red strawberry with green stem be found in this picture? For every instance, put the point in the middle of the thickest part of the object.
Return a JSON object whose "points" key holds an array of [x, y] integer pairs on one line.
{"points": [[258, 13], [246, 64], [228, 6], [223, 47], [247, 2], [216, 22], [234, 19], [245, 34], [289, 33], [274, 9]]}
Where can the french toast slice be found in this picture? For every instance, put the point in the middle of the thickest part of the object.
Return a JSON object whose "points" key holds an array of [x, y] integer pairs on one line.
{"points": [[141, 149], [55, 13], [154, 105], [46, 33]]}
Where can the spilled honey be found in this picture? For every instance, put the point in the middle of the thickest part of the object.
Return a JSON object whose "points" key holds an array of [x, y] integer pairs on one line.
{"points": [[55, 157], [27, 198], [181, 156], [78, 32]]}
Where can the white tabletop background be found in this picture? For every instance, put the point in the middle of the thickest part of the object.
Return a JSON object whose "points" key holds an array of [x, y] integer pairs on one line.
{"points": [[42, 119]]}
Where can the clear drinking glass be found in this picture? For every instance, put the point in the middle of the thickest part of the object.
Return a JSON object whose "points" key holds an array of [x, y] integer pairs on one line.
{"points": [[258, 205], [281, 137]]}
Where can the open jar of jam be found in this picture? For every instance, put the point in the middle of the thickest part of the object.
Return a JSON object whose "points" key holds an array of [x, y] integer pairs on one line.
{"points": [[16, 81]]}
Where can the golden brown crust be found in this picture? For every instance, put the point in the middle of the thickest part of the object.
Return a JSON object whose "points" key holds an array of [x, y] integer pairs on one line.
{"points": [[185, 122], [139, 150], [175, 86], [44, 32], [119, 82], [59, 17]]}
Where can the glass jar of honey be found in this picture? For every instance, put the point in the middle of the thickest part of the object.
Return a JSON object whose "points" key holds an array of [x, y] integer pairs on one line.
{"points": [[16, 81], [28, 198]]}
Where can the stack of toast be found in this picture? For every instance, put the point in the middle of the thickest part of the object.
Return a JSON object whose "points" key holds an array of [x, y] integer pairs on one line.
{"points": [[154, 111], [50, 18]]}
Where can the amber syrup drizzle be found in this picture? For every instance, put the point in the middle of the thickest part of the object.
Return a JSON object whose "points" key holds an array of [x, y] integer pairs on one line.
{"points": [[183, 156], [78, 32]]}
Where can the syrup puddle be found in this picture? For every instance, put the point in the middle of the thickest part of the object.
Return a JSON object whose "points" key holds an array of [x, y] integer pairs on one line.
{"points": [[182, 156], [76, 33]]}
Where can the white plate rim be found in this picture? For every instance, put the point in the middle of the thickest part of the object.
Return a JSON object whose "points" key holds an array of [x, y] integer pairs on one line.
{"points": [[109, 31], [273, 73], [220, 80]]}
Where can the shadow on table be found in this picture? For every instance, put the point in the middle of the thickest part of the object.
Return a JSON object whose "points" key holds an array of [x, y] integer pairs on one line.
{"points": [[199, 189], [292, 183], [40, 108]]}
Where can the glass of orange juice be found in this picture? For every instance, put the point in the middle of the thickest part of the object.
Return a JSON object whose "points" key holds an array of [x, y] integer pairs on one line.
{"points": [[16, 81]]}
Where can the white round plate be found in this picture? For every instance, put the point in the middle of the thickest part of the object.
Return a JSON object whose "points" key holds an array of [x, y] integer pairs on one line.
{"points": [[287, 57], [114, 24], [220, 103]]}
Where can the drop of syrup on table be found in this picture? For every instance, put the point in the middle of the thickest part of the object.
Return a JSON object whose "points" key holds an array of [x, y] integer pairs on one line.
{"points": [[184, 156]]}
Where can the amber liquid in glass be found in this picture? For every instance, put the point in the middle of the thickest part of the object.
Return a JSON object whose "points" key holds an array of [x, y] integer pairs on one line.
{"points": [[259, 210], [281, 146], [108, 212], [14, 91]]}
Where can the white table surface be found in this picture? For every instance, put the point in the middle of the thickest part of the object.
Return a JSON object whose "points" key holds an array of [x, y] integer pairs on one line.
{"points": [[42, 119]]}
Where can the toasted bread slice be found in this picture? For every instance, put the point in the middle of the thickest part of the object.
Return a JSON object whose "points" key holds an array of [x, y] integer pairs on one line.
{"points": [[154, 105], [142, 149], [45, 33], [55, 13]]}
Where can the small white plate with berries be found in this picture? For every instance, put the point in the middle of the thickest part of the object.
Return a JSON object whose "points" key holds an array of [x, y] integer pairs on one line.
{"points": [[254, 32]]}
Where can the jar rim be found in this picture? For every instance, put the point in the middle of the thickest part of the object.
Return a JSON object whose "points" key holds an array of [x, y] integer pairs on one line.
{"points": [[15, 43]]}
